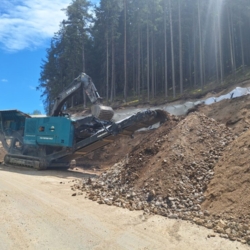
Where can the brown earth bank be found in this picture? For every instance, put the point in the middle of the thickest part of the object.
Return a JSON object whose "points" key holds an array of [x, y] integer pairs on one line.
{"points": [[228, 191], [193, 168]]}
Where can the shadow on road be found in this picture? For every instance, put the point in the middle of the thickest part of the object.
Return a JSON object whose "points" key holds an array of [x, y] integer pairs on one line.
{"points": [[57, 172]]}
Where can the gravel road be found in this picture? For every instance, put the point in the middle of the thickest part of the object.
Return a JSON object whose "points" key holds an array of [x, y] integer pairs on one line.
{"points": [[38, 211]]}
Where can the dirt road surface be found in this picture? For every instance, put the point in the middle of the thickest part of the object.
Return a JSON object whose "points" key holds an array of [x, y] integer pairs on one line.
{"points": [[38, 211]]}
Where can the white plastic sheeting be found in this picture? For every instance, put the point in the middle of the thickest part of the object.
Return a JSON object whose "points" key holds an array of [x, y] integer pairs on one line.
{"points": [[181, 109], [237, 92]]}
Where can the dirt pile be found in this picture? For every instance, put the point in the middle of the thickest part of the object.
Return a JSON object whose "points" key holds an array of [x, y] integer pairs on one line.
{"points": [[107, 156], [228, 192], [235, 113], [180, 172]]}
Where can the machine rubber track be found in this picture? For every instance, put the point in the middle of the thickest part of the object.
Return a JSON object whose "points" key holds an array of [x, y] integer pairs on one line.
{"points": [[25, 161]]}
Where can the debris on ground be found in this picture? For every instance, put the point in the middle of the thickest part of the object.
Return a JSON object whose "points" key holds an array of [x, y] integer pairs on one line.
{"points": [[191, 168]]}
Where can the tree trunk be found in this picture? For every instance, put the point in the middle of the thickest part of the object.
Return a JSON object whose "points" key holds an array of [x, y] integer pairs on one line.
{"points": [[172, 47], [107, 67], [83, 69], [195, 53], [200, 45], [125, 51], [220, 50], [142, 67], [165, 50], [139, 63], [112, 95], [233, 69], [190, 78], [241, 46], [152, 66], [180, 48], [148, 60], [216, 52]]}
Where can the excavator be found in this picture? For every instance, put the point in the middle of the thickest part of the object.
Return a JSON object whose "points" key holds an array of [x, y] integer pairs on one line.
{"points": [[57, 139]]}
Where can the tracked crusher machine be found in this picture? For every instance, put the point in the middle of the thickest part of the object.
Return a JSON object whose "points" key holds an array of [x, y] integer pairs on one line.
{"points": [[55, 140]]}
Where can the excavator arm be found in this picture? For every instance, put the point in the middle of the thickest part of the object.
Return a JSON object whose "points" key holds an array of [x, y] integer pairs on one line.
{"points": [[89, 88], [83, 82]]}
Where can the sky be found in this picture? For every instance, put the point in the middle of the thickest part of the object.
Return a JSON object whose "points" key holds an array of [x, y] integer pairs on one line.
{"points": [[26, 29]]}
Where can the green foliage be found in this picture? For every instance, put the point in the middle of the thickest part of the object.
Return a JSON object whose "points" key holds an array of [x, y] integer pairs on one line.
{"points": [[64, 60], [215, 36], [36, 112]]}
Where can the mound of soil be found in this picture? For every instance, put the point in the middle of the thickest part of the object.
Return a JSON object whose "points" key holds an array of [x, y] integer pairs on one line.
{"points": [[183, 170], [235, 113], [107, 156], [178, 160], [228, 192]]}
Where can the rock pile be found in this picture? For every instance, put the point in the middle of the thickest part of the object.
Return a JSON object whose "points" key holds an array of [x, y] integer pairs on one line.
{"points": [[168, 174]]}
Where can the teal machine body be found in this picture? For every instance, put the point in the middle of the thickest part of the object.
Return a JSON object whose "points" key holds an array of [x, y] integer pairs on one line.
{"points": [[49, 131]]}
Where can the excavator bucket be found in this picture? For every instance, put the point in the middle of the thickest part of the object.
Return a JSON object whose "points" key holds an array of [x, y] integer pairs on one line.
{"points": [[102, 112]]}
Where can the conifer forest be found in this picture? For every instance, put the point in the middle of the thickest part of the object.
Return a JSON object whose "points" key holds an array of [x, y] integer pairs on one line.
{"points": [[146, 49]]}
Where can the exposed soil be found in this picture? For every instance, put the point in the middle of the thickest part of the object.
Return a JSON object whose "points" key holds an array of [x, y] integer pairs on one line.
{"points": [[107, 156], [235, 113], [228, 191], [194, 168]]}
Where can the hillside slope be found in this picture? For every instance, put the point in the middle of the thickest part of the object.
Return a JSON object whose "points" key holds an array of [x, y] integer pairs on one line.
{"points": [[194, 168]]}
